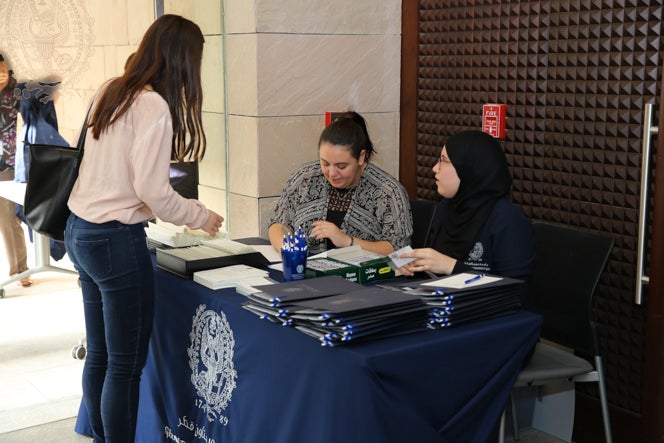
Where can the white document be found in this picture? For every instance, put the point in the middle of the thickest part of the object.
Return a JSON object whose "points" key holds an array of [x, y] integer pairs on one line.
{"points": [[228, 276], [463, 280], [399, 262], [336, 252], [268, 252]]}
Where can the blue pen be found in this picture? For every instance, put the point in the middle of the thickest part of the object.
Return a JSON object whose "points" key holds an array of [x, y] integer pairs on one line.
{"points": [[470, 280]]}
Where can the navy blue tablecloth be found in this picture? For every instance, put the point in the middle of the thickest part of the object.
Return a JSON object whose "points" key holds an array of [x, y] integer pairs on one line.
{"points": [[217, 373]]}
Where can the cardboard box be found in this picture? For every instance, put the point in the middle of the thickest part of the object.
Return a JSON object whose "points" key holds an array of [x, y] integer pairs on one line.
{"points": [[370, 266], [319, 267]]}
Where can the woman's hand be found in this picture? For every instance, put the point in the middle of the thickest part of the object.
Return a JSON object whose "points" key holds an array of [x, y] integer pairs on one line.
{"points": [[276, 233], [213, 223], [427, 259], [325, 229]]}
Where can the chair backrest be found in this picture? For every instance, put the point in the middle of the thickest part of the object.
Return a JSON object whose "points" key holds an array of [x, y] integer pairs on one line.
{"points": [[422, 211], [184, 178], [568, 266]]}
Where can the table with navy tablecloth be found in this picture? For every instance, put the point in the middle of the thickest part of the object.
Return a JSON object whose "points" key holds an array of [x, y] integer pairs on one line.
{"points": [[218, 373]]}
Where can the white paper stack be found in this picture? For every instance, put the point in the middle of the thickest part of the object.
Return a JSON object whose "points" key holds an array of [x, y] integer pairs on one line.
{"points": [[171, 235], [228, 245], [228, 276]]}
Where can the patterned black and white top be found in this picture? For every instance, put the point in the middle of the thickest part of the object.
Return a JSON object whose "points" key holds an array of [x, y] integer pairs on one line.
{"points": [[8, 114], [379, 209]]}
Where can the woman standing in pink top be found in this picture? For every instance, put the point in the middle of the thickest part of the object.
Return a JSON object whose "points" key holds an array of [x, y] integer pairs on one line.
{"points": [[139, 122]]}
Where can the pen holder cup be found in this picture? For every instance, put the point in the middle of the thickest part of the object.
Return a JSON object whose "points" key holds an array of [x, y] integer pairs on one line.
{"points": [[294, 264]]}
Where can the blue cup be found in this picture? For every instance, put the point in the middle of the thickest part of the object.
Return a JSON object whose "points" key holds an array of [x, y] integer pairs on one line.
{"points": [[294, 264]]}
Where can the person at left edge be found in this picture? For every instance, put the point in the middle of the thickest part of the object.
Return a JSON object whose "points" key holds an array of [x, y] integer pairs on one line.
{"points": [[139, 122], [10, 226], [343, 199]]}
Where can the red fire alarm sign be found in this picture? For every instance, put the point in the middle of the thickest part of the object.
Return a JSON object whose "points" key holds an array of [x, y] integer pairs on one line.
{"points": [[493, 119], [331, 116]]}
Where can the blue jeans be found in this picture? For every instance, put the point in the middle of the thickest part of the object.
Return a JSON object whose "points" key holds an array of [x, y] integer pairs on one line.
{"points": [[117, 281]]}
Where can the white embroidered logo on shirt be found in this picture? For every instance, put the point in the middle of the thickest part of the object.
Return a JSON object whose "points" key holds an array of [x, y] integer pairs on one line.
{"points": [[477, 252]]}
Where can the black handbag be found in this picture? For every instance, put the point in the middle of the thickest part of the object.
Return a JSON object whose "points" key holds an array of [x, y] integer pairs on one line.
{"points": [[52, 173]]}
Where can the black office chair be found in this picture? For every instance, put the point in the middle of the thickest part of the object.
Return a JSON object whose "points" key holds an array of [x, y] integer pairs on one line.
{"points": [[184, 178], [422, 211], [568, 267]]}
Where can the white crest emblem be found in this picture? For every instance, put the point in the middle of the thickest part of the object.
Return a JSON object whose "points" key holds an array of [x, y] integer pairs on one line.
{"points": [[211, 361], [477, 252], [47, 38]]}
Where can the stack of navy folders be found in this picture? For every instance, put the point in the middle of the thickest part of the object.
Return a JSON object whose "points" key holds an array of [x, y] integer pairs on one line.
{"points": [[336, 311], [368, 313], [278, 301], [466, 297]]}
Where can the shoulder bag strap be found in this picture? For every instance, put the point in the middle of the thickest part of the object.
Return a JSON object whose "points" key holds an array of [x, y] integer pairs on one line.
{"points": [[81, 137]]}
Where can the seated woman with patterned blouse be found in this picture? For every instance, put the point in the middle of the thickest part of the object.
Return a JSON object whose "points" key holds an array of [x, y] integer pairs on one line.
{"points": [[342, 199]]}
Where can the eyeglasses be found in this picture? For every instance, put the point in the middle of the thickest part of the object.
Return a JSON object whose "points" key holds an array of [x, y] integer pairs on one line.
{"points": [[442, 159]]}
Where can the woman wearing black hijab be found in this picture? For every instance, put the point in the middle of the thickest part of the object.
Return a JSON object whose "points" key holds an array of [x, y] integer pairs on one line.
{"points": [[475, 227]]}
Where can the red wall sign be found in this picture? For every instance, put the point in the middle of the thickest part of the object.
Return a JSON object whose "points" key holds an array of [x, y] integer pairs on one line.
{"points": [[493, 119]]}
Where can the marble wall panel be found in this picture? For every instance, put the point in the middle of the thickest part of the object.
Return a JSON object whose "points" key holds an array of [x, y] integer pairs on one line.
{"points": [[73, 110], [139, 19], [309, 74], [240, 16], [265, 210], [212, 74], [92, 78], [120, 56], [244, 218], [384, 132], [215, 199], [205, 13], [284, 144], [243, 155], [110, 21], [212, 169], [328, 17], [241, 83], [185, 9]]}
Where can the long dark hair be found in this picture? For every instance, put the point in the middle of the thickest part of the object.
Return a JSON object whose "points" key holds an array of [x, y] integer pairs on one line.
{"points": [[349, 129], [169, 60]]}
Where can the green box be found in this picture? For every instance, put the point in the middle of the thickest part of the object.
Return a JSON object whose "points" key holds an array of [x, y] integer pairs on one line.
{"points": [[371, 270], [370, 266]]}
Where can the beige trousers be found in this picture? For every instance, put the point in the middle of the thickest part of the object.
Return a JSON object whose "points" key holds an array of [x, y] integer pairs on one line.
{"points": [[12, 235]]}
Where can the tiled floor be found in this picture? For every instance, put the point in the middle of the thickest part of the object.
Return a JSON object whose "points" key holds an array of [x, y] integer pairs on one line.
{"points": [[40, 382]]}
